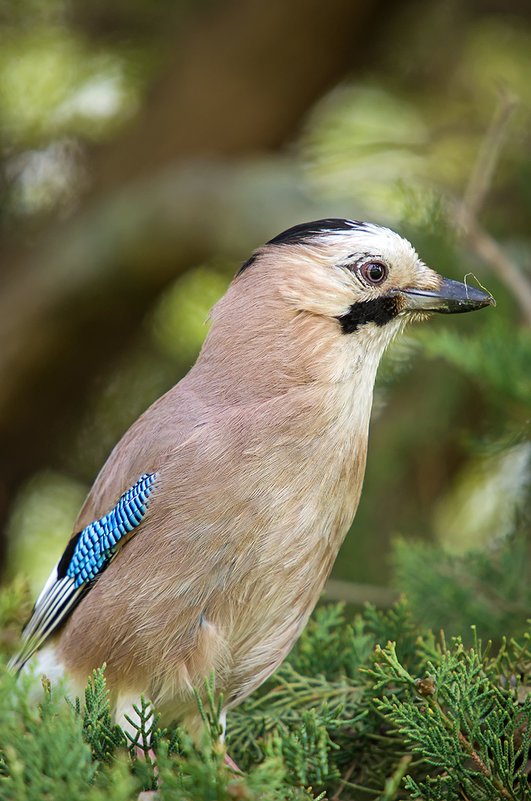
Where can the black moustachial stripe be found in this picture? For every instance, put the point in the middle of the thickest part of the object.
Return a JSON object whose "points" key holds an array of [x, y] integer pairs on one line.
{"points": [[299, 234], [379, 310]]}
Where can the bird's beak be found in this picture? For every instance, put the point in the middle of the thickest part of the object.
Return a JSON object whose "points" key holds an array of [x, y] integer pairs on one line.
{"points": [[451, 297]]}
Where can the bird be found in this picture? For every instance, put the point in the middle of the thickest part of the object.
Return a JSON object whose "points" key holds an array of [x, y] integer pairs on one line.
{"points": [[208, 535]]}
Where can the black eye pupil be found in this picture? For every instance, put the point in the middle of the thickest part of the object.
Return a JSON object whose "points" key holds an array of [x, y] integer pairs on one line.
{"points": [[375, 272]]}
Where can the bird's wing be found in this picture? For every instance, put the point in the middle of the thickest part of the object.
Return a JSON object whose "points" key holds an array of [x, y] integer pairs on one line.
{"points": [[85, 558]]}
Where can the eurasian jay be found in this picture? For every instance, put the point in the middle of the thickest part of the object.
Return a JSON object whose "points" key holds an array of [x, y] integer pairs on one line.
{"points": [[209, 533]]}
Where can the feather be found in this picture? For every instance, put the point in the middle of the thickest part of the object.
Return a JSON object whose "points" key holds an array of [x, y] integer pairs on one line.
{"points": [[259, 453], [86, 556]]}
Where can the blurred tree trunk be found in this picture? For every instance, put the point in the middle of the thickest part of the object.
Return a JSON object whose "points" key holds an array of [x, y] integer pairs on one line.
{"points": [[242, 78]]}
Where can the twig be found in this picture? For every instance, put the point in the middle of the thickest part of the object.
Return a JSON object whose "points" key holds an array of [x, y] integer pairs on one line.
{"points": [[480, 179], [474, 198], [344, 781], [469, 748], [393, 783], [490, 251]]}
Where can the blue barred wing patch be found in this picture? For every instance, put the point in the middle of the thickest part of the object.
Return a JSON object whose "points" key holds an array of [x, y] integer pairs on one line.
{"points": [[85, 557], [97, 542]]}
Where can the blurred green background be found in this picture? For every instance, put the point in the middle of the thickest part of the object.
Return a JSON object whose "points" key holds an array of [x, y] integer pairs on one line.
{"points": [[146, 150]]}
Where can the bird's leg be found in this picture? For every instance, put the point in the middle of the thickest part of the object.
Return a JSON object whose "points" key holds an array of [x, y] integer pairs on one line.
{"points": [[148, 795], [141, 753], [230, 763]]}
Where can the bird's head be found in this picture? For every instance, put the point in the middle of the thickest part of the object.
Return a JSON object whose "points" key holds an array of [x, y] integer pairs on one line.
{"points": [[361, 273], [338, 290]]}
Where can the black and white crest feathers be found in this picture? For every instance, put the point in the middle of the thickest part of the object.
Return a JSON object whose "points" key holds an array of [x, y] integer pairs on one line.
{"points": [[303, 232]]}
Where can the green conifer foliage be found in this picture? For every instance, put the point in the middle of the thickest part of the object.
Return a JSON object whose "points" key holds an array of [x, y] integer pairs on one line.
{"points": [[375, 707]]}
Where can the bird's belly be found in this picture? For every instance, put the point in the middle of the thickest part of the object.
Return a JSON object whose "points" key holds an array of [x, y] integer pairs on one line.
{"points": [[249, 622], [269, 614], [237, 612]]}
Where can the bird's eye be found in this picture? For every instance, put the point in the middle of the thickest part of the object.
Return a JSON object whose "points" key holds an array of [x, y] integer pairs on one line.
{"points": [[374, 272]]}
